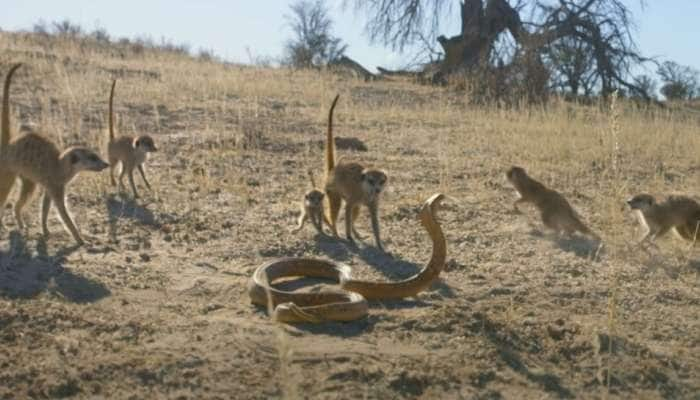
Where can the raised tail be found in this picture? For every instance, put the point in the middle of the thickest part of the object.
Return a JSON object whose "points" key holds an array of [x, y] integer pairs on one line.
{"points": [[330, 145], [111, 111], [311, 177], [5, 128]]}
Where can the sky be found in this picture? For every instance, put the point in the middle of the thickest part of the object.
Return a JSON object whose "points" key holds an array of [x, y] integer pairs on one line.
{"points": [[242, 30]]}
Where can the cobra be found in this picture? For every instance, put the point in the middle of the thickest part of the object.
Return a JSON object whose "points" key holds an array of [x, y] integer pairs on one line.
{"points": [[350, 302]]}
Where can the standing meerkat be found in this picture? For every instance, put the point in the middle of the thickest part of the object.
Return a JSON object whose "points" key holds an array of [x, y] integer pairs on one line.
{"points": [[680, 213], [354, 184], [556, 212], [130, 151], [36, 160], [311, 207]]}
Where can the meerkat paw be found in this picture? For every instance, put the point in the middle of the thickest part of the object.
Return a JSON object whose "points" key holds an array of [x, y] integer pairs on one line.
{"points": [[357, 235]]}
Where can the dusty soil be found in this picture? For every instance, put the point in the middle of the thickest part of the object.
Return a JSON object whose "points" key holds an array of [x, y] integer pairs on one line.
{"points": [[156, 306]]}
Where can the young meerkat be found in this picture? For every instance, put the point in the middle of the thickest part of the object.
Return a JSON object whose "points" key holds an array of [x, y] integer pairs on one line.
{"points": [[36, 160], [130, 151], [353, 183], [556, 212], [311, 207], [680, 213]]}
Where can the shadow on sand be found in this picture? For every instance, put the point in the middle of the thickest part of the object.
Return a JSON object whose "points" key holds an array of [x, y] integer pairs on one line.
{"points": [[119, 206], [25, 276], [509, 348], [579, 246]]}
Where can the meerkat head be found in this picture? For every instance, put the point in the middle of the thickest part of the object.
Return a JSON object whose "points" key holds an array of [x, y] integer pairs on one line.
{"points": [[373, 181], [314, 198], [641, 202], [145, 144], [83, 159], [515, 173]]}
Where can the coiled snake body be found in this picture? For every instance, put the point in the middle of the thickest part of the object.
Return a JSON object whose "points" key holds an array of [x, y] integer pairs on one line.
{"points": [[350, 302]]}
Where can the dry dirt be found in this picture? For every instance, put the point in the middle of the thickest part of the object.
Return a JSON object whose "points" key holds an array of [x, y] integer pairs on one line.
{"points": [[156, 306]]}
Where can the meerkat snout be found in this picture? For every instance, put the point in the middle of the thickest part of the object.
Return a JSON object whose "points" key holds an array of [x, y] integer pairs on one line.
{"points": [[314, 198], [84, 159], [145, 144], [374, 181], [641, 202]]}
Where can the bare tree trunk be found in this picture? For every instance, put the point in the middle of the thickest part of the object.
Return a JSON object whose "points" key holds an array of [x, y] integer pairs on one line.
{"points": [[480, 29]]}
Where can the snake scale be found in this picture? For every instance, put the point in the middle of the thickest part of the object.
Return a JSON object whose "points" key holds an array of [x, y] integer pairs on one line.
{"points": [[350, 302]]}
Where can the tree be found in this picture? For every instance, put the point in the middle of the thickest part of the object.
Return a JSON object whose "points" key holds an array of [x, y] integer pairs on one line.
{"points": [[313, 44], [647, 84], [572, 64], [592, 37], [679, 82]]}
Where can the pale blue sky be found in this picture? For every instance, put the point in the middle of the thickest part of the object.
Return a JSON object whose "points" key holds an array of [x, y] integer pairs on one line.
{"points": [[669, 29]]}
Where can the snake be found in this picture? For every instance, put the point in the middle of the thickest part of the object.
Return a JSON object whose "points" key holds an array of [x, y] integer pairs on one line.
{"points": [[350, 301]]}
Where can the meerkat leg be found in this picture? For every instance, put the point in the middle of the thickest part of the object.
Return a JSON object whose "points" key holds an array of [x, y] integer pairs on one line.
{"points": [[128, 170], [45, 207], [131, 182], [317, 221], [373, 213], [355, 214], [59, 199], [334, 203], [323, 219], [112, 166], [25, 194], [6, 182], [549, 220], [651, 236], [122, 174], [143, 175], [300, 222], [515, 205], [348, 221]]}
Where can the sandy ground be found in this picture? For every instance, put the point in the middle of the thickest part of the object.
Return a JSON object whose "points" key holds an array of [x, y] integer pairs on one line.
{"points": [[156, 306]]}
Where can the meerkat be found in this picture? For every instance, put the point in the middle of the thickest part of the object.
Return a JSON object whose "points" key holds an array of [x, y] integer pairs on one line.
{"points": [[36, 160], [353, 183], [679, 213], [555, 211], [130, 151], [311, 207]]}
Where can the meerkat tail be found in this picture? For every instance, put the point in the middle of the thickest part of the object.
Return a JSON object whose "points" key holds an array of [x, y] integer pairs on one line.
{"points": [[111, 111], [330, 145], [5, 128], [311, 177]]}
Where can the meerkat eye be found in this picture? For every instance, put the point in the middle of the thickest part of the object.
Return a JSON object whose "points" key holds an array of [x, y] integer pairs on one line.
{"points": [[74, 158]]}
